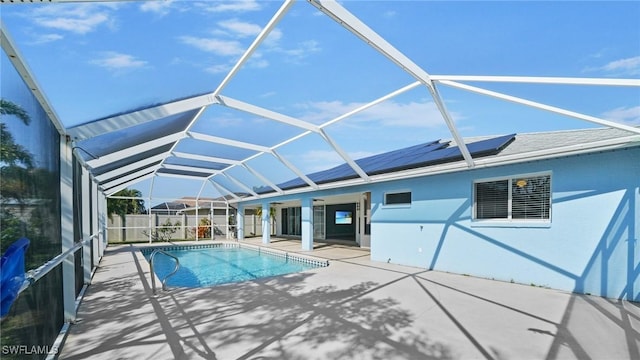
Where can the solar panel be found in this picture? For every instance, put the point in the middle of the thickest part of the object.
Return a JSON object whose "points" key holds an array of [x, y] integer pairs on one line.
{"points": [[412, 157], [402, 156], [292, 184], [490, 146], [344, 171], [263, 190], [450, 154]]}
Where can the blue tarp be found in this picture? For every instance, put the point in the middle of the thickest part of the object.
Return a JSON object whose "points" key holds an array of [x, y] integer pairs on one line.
{"points": [[12, 273]]}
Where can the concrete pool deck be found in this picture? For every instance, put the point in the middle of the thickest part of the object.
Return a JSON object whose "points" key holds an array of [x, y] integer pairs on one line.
{"points": [[352, 309]]}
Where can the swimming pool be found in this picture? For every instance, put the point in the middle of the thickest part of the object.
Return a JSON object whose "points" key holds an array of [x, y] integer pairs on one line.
{"points": [[216, 264]]}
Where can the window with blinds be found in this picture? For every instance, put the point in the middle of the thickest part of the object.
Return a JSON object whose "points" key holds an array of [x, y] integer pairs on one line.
{"points": [[516, 198]]}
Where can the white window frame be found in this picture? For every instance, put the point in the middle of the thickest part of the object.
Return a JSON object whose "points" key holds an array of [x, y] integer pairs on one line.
{"points": [[509, 221], [384, 200]]}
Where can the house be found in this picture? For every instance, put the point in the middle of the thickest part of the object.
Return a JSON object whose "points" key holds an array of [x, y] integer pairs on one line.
{"points": [[554, 209]]}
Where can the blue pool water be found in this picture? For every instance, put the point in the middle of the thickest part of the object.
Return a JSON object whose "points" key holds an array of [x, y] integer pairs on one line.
{"points": [[202, 267]]}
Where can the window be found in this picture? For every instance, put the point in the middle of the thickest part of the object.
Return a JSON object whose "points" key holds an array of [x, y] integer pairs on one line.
{"points": [[515, 198], [398, 198]]}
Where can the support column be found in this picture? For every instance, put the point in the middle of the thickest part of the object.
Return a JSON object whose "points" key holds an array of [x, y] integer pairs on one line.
{"points": [[227, 227], [102, 220], [66, 229], [307, 224], [240, 222], [266, 223], [95, 222], [86, 225]]}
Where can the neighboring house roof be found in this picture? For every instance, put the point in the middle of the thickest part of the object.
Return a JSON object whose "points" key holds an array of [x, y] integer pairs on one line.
{"points": [[188, 203], [170, 205]]}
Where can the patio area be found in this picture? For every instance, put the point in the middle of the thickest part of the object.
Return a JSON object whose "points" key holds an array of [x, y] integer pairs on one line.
{"points": [[353, 309]]}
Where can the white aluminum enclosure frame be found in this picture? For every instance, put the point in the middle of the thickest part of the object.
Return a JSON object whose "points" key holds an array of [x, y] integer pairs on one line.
{"points": [[156, 164]]}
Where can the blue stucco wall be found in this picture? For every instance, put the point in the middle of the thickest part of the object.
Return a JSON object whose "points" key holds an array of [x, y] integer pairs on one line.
{"points": [[590, 246]]}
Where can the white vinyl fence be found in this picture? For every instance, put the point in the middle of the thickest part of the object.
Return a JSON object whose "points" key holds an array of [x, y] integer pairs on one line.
{"points": [[156, 227]]}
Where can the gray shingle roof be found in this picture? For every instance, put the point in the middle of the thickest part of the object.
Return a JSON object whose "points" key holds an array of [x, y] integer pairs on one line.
{"points": [[545, 141]]}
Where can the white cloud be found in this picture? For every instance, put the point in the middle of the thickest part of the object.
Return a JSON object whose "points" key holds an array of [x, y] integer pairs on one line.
{"points": [[630, 66], [237, 29], [231, 6], [218, 68], [268, 94], [389, 13], [227, 40], [622, 67], [158, 7], [74, 18], [319, 160], [389, 113], [75, 25], [116, 61], [46, 38], [258, 63], [273, 38], [240, 28], [303, 50], [627, 115], [216, 46]]}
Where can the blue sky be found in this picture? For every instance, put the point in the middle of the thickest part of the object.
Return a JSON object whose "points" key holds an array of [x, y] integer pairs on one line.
{"points": [[93, 60]]}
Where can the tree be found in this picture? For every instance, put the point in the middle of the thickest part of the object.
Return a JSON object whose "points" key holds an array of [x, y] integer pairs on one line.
{"points": [[16, 174], [9, 108], [11, 153], [164, 232], [122, 207]]}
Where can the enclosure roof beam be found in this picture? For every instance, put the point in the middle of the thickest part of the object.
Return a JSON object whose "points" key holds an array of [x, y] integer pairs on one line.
{"points": [[541, 106], [213, 159], [222, 189], [25, 73], [263, 178], [345, 156], [209, 172], [182, 176], [293, 168], [137, 149], [123, 121], [350, 22], [119, 184], [228, 142], [540, 80], [265, 113], [128, 168], [282, 11], [241, 184]]}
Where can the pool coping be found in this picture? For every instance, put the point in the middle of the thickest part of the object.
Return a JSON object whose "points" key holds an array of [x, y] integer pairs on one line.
{"points": [[312, 260]]}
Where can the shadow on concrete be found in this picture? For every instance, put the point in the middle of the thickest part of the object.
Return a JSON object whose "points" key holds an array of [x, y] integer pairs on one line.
{"points": [[389, 312]]}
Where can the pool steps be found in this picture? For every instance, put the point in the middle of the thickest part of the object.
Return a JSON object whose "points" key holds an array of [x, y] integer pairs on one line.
{"points": [[155, 252]]}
